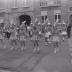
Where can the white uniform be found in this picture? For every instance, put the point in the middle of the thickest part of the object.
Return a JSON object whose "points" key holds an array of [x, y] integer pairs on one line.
{"points": [[64, 33], [47, 34], [34, 37], [22, 38], [55, 39], [28, 28]]}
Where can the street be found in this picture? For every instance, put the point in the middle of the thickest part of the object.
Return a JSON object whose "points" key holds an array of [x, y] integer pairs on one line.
{"points": [[27, 61], [23, 60]]}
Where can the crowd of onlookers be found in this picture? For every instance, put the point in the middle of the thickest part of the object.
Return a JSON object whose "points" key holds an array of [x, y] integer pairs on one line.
{"points": [[52, 33]]}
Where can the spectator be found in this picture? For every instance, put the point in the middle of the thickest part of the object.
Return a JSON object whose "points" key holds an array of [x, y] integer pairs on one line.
{"points": [[69, 31]]}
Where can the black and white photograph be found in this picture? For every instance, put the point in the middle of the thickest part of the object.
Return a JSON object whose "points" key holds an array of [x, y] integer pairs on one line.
{"points": [[35, 35]]}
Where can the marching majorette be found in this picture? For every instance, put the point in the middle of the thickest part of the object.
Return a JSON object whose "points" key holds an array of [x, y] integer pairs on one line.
{"points": [[13, 37], [64, 22], [35, 40], [22, 38], [48, 37], [6, 34], [56, 42]]}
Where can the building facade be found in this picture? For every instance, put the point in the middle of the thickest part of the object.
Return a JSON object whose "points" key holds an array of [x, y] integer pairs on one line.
{"points": [[15, 11]]}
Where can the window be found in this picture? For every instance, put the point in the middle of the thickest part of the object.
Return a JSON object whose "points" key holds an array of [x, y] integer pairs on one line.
{"points": [[58, 18], [44, 18], [43, 3]]}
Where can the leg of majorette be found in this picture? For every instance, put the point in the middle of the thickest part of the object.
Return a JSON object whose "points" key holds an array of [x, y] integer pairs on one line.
{"points": [[5, 38], [18, 41], [56, 49], [37, 45], [1, 40], [12, 44], [46, 42], [29, 33], [15, 43], [23, 45], [34, 49], [64, 37], [21, 42]]}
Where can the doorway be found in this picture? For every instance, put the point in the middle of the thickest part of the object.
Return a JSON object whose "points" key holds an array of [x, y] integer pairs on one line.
{"points": [[26, 18]]}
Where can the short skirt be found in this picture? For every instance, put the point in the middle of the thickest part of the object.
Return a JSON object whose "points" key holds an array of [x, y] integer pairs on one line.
{"points": [[55, 39], [34, 37]]}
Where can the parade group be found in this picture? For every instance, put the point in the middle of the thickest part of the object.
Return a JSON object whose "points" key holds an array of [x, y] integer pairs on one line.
{"points": [[17, 35]]}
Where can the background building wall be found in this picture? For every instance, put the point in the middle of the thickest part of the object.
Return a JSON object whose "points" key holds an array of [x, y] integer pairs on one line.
{"points": [[32, 7]]}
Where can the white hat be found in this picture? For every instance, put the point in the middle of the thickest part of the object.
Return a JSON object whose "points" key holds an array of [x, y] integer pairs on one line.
{"points": [[48, 23], [31, 22], [28, 27], [39, 32], [64, 22]]}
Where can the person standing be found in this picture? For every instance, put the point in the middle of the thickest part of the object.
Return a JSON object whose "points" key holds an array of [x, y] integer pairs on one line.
{"points": [[35, 40], [22, 33], [69, 31]]}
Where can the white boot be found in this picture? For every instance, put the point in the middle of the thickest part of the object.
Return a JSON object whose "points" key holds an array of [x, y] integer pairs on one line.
{"points": [[55, 50]]}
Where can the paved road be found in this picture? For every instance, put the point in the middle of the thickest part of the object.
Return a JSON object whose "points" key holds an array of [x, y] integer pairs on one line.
{"points": [[59, 62], [26, 61], [22, 60]]}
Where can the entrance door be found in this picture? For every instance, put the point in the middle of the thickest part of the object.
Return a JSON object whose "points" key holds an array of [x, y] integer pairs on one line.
{"points": [[26, 18]]}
